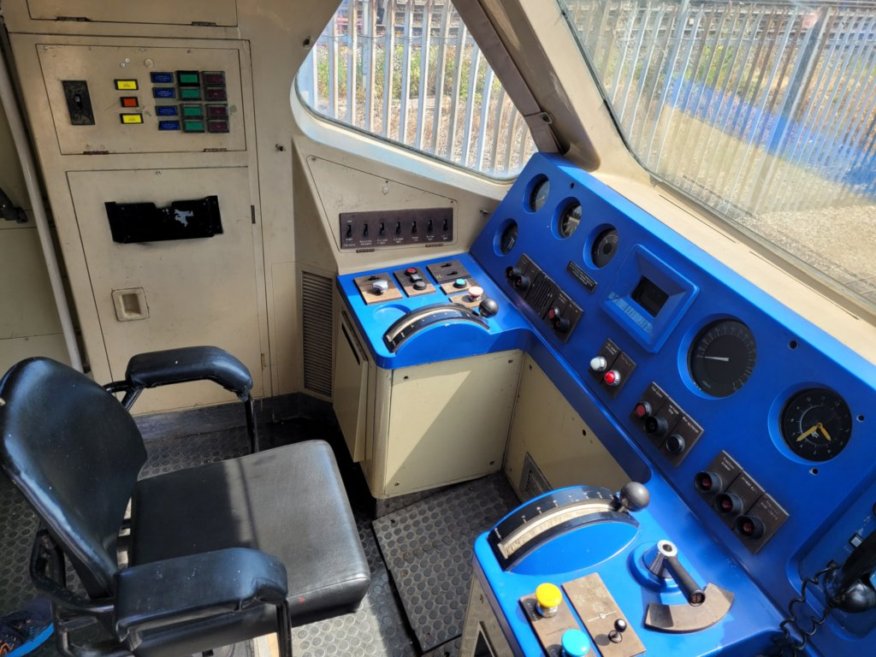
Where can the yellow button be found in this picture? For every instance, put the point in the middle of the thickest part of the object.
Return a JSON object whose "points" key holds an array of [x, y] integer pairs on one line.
{"points": [[131, 118], [126, 85], [548, 596]]}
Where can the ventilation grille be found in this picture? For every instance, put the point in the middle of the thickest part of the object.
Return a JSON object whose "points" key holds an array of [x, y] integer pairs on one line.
{"points": [[316, 310], [532, 479]]}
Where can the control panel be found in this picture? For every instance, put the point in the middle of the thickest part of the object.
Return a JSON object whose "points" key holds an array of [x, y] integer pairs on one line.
{"points": [[707, 365], [124, 99], [543, 297], [382, 228], [667, 350]]}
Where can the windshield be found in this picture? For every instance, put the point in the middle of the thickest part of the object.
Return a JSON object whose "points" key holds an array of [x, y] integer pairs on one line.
{"points": [[763, 111]]}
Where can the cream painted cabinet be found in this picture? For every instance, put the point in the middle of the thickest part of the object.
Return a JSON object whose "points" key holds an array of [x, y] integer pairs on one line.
{"points": [[435, 424], [158, 295], [550, 446], [350, 387]]}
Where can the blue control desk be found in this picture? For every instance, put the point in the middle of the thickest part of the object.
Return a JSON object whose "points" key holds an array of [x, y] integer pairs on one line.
{"points": [[751, 427]]}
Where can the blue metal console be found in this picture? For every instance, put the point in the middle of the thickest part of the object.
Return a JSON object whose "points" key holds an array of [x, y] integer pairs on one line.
{"points": [[751, 426]]}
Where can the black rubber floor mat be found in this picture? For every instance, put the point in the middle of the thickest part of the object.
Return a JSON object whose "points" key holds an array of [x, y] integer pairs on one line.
{"points": [[428, 550]]}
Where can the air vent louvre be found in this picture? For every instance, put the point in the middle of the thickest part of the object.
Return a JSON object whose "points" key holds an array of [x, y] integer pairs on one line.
{"points": [[316, 310]]}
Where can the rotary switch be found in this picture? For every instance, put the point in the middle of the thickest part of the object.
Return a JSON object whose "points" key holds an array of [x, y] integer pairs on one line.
{"points": [[475, 293], [560, 323], [379, 286]]}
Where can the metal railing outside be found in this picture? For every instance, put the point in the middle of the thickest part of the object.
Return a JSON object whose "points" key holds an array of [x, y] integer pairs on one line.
{"points": [[750, 106], [408, 71]]}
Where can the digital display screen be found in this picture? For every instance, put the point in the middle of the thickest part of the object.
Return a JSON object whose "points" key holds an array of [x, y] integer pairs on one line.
{"points": [[649, 296]]}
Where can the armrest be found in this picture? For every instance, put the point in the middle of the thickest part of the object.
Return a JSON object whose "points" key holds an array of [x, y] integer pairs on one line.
{"points": [[158, 368], [164, 593]]}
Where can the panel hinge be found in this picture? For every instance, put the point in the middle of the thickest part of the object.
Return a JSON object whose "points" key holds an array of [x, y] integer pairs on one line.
{"points": [[252, 213]]}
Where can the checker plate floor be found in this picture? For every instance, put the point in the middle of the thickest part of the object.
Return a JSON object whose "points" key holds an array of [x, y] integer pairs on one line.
{"points": [[428, 550]]}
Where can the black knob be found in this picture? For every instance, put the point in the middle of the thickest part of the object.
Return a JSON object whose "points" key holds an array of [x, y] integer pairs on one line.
{"points": [[513, 273], [523, 282], [617, 634], [708, 482], [656, 426], [632, 496], [489, 307], [675, 444], [750, 526], [419, 284], [562, 324], [856, 598], [729, 504]]}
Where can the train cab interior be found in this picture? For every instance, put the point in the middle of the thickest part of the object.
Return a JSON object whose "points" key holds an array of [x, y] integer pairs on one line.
{"points": [[438, 328]]}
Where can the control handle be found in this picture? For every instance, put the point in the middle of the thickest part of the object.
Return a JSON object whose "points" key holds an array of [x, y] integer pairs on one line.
{"points": [[632, 496], [666, 565]]}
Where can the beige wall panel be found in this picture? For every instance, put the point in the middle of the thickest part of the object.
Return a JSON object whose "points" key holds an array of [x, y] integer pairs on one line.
{"points": [[199, 291], [565, 449], [447, 422], [101, 65], [284, 345], [350, 386], [16, 349], [27, 307], [11, 180], [220, 12]]}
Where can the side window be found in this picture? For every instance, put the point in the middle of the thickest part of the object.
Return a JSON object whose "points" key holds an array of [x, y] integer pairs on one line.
{"points": [[409, 72]]}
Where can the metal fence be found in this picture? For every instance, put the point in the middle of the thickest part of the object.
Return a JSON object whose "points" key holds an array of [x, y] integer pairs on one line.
{"points": [[409, 71], [751, 106]]}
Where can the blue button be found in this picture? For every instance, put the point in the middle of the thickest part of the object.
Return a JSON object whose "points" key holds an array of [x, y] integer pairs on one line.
{"points": [[161, 77], [576, 643], [168, 125], [166, 110], [163, 92]]}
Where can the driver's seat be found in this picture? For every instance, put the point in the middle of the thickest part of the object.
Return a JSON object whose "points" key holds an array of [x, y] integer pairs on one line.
{"points": [[217, 554]]}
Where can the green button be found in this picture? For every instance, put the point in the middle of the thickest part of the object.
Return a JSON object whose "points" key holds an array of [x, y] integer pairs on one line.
{"points": [[193, 110], [193, 125], [187, 78], [190, 93]]}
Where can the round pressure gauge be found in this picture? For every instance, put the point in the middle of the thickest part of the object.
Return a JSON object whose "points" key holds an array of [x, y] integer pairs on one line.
{"points": [[722, 357], [604, 247], [569, 219], [539, 195]]}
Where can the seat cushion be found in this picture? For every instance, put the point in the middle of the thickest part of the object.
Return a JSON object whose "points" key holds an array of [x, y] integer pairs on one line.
{"points": [[288, 502]]}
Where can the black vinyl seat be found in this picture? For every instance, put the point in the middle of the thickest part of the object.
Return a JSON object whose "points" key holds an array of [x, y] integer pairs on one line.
{"points": [[218, 554]]}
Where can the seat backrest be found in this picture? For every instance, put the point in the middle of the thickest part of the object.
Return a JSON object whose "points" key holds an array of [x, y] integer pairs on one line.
{"points": [[75, 453]]}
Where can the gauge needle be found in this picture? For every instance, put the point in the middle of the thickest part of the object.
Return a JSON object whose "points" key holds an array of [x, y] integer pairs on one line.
{"points": [[824, 431], [723, 359], [803, 436]]}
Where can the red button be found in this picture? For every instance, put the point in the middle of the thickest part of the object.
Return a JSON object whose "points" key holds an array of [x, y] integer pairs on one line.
{"points": [[129, 101], [216, 93], [641, 410], [612, 377], [410, 271]]}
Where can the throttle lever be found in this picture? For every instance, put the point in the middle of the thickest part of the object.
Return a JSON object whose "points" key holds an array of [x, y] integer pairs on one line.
{"points": [[666, 563]]}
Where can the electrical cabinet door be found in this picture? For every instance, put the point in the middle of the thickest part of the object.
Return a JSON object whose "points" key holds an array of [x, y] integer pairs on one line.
{"points": [[184, 292]]}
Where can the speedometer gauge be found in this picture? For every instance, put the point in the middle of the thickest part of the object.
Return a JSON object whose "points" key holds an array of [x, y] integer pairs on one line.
{"points": [[816, 424], [722, 357], [539, 195]]}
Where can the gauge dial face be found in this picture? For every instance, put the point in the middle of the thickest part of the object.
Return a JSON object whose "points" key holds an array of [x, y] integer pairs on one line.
{"points": [[569, 219], [508, 238], [604, 247], [816, 424], [722, 357], [539, 195]]}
